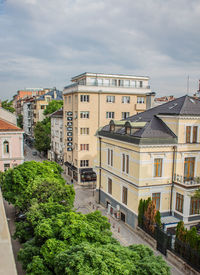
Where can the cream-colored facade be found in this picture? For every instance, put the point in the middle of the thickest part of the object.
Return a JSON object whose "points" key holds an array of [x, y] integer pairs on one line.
{"points": [[89, 103], [165, 168]]}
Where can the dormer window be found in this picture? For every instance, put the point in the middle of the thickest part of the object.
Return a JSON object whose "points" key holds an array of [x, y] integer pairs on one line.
{"points": [[112, 127], [128, 130]]}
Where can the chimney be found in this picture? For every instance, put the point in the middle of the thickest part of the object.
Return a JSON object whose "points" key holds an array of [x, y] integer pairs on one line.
{"points": [[55, 94]]}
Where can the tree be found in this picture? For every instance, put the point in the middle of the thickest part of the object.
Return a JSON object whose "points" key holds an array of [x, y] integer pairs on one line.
{"points": [[41, 181], [7, 105], [109, 259], [197, 194], [37, 267], [42, 133], [20, 121], [53, 106]]}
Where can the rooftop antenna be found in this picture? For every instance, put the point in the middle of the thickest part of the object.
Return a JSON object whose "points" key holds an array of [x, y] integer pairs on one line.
{"points": [[188, 80]]}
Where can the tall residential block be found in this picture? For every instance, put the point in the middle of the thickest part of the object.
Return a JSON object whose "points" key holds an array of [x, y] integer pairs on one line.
{"points": [[89, 103]]}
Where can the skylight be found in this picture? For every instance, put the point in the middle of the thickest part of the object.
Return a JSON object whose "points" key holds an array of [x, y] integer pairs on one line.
{"points": [[175, 104], [192, 100]]}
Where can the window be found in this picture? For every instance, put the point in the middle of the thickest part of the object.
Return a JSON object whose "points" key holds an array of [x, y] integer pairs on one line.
{"points": [[69, 99], [191, 134], [156, 200], [179, 202], [6, 166], [114, 82], [121, 82], [110, 115], [125, 115], [110, 157], [85, 98], [42, 107], [84, 114], [194, 206], [140, 100], [188, 134], [84, 163], [6, 147], [194, 139], [141, 84], [158, 167], [124, 195], [84, 147], [125, 163], [133, 83], [65, 99], [110, 186], [189, 168], [84, 131], [125, 99], [126, 83], [110, 99]]}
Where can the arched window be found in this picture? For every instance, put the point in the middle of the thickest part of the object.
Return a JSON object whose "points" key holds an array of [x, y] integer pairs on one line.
{"points": [[6, 146]]}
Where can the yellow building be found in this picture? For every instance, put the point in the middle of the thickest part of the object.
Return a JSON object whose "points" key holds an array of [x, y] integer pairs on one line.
{"points": [[89, 103], [152, 154]]}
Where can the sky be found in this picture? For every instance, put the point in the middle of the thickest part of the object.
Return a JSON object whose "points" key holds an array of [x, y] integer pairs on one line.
{"points": [[44, 43]]}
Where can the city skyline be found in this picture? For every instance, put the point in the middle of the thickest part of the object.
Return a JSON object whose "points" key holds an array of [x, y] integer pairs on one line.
{"points": [[44, 44]]}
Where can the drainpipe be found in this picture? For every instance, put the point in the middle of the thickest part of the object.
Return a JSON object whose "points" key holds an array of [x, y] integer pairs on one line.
{"points": [[99, 170], [173, 169]]}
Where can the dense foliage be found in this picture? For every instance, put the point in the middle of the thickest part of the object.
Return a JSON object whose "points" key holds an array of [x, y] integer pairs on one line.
{"points": [[53, 106], [148, 216], [42, 133], [58, 240], [8, 105], [20, 121]]}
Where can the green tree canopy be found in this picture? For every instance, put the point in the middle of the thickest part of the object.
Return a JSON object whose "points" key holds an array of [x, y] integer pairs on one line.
{"points": [[42, 133], [20, 121], [53, 106], [8, 105], [87, 258], [41, 181]]}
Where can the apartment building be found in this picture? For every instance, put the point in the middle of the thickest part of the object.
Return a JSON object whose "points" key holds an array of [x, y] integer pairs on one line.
{"points": [[41, 103], [56, 152], [89, 103], [152, 154]]}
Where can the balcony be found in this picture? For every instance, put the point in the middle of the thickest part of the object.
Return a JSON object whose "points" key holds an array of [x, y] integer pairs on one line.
{"points": [[193, 182]]}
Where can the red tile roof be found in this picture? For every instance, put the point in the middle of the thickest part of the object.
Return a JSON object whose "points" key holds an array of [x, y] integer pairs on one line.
{"points": [[7, 126]]}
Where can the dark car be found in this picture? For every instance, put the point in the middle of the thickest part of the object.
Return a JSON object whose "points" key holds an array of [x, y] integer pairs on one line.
{"points": [[20, 217], [34, 153]]}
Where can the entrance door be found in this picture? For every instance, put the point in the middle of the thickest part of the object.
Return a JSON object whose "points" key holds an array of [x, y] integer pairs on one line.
{"points": [[123, 217]]}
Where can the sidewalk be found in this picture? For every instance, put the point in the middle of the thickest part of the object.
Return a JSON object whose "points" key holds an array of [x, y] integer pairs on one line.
{"points": [[85, 203]]}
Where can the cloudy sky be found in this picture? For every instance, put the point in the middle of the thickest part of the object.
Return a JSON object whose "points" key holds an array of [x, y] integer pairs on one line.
{"points": [[43, 43]]}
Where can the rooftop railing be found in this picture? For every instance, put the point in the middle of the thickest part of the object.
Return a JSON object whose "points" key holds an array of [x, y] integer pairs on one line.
{"points": [[108, 85]]}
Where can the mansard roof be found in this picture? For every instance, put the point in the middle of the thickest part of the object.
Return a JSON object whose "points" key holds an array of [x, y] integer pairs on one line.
{"points": [[58, 113], [148, 127]]}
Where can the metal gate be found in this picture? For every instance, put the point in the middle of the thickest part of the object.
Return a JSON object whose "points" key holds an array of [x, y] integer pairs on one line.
{"points": [[163, 240]]}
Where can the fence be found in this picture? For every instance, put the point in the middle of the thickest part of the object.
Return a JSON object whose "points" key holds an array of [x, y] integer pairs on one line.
{"points": [[167, 241]]}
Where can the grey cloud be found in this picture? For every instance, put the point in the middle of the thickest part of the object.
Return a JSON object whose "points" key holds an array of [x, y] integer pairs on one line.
{"points": [[47, 42]]}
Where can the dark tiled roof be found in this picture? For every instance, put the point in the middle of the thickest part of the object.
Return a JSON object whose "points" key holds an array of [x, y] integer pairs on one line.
{"points": [[51, 93], [155, 130], [58, 113]]}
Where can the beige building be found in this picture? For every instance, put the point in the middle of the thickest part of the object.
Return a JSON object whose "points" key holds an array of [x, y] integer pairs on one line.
{"points": [[152, 154], [89, 103]]}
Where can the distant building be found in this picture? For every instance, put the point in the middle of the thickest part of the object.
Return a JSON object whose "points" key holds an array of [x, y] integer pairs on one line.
{"points": [[152, 154], [21, 95], [11, 141], [56, 152], [161, 100], [89, 103]]}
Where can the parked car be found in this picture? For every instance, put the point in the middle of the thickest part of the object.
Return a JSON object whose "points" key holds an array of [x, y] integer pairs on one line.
{"points": [[20, 217], [34, 153]]}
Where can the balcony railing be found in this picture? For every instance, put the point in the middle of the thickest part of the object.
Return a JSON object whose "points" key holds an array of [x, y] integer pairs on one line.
{"points": [[109, 85], [193, 181]]}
